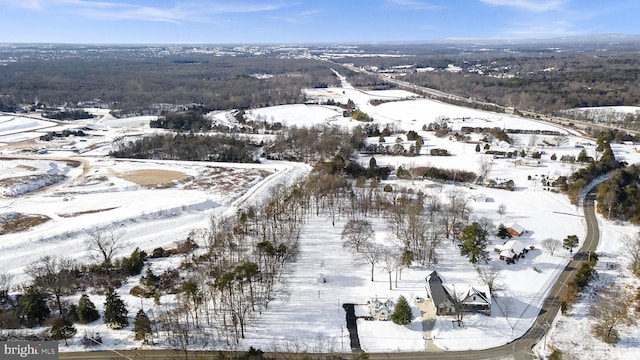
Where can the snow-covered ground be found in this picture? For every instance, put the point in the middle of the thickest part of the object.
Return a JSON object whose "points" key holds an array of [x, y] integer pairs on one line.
{"points": [[16, 124], [99, 192]]}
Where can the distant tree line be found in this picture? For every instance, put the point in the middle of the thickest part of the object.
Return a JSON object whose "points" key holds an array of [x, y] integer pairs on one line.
{"points": [[8, 104], [189, 147], [542, 81], [71, 114], [63, 134], [190, 120], [132, 84], [311, 144], [437, 174]]}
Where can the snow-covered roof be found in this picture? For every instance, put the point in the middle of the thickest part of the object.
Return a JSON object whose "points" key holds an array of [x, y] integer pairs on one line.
{"points": [[507, 253], [461, 292], [465, 293], [517, 228], [513, 245]]}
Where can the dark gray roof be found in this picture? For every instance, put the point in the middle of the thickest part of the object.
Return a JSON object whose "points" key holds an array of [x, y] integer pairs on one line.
{"points": [[438, 294]]}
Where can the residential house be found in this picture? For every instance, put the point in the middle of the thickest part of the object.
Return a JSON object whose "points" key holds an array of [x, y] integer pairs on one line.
{"points": [[511, 250], [447, 297], [381, 309]]}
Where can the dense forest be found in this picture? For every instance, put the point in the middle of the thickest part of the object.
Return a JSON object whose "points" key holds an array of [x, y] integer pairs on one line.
{"points": [[619, 196], [140, 84], [537, 78], [546, 78]]}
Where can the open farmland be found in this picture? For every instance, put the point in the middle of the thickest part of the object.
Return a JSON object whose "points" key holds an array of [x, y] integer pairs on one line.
{"points": [[160, 203]]}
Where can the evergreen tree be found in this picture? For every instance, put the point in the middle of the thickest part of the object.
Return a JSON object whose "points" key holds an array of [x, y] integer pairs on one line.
{"points": [[62, 329], [115, 311], [86, 310], [34, 307], [402, 314], [502, 232], [570, 242], [474, 243], [373, 164], [419, 144], [142, 326], [133, 264]]}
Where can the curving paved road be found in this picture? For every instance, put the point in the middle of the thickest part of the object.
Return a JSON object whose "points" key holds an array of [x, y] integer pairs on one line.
{"points": [[521, 347]]}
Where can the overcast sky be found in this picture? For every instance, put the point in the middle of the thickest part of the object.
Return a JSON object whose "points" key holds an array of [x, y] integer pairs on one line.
{"points": [[305, 21]]}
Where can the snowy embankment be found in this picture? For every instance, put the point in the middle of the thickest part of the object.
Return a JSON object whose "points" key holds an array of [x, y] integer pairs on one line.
{"points": [[152, 217], [17, 124]]}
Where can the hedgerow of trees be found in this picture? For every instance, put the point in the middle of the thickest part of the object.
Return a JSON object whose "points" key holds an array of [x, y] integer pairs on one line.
{"points": [[71, 114], [189, 147]]}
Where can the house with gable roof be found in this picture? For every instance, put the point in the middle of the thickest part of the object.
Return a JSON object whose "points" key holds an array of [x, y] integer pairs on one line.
{"points": [[511, 250], [381, 309], [447, 296]]}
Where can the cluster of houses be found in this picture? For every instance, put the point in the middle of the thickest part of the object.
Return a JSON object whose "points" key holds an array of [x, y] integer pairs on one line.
{"points": [[513, 249], [450, 298]]}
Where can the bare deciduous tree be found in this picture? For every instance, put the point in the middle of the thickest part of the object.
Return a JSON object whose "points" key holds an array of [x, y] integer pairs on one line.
{"points": [[491, 275], [391, 260], [454, 212], [610, 312], [551, 245], [458, 306], [487, 225], [485, 165], [106, 243], [632, 250], [6, 281], [434, 238], [502, 209], [413, 227], [56, 275], [432, 204], [357, 233], [371, 253], [560, 140]]}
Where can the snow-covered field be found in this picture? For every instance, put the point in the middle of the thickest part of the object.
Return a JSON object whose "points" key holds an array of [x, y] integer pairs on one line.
{"points": [[98, 192]]}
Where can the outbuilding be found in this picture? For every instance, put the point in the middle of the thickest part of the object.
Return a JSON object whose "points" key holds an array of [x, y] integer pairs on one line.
{"points": [[516, 230]]}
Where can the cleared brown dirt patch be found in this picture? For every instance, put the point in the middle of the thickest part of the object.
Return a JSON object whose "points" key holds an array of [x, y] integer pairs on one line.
{"points": [[26, 167], [85, 212], [14, 222], [154, 177]]}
